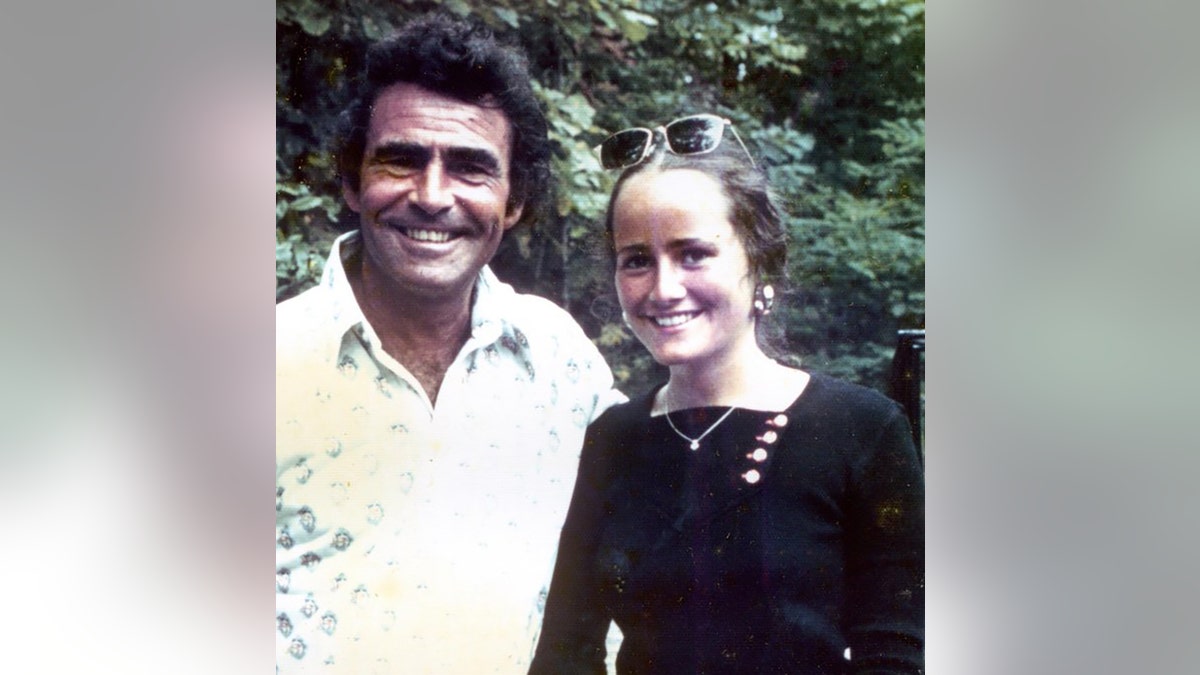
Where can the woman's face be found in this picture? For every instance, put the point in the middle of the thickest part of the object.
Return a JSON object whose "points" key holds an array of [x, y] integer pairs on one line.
{"points": [[683, 275]]}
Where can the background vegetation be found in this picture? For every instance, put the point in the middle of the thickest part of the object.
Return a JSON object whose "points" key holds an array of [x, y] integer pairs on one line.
{"points": [[828, 95]]}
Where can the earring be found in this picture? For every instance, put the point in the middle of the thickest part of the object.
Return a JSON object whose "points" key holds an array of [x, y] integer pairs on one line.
{"points": [[625, 318], [764, 299]]}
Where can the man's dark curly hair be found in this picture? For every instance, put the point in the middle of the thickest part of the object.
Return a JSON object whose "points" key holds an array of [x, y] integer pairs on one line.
{"points": [[462, 60]]}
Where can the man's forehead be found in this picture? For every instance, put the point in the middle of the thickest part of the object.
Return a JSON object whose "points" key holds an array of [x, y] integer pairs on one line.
{"points": [[408, 112]]}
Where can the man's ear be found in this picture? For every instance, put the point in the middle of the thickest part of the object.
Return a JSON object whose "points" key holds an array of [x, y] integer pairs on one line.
{"points": [[513, 214], [350, 195]]}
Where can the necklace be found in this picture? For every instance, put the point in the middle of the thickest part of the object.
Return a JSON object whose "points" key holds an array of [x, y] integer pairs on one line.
{"points": [[694, 443]]}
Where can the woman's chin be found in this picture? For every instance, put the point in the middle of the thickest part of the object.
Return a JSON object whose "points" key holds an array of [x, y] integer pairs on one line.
{"points": [[672, 357]]}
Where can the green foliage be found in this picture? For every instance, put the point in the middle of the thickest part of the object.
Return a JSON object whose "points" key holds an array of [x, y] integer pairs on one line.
{"points": [[828, 94], [300, 248]]}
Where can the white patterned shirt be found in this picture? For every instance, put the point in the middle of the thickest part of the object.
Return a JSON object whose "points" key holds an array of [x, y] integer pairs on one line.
{"points": [[413, 538]]}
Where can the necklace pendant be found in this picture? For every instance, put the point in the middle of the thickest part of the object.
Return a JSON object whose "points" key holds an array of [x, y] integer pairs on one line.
{"points": [[695, 445]]}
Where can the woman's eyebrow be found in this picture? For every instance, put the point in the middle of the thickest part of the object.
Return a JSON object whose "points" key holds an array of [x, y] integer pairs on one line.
{"points": [[633, 248]]}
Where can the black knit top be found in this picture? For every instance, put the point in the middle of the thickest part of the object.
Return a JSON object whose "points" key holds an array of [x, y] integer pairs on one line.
{"points": [[784, 539]]}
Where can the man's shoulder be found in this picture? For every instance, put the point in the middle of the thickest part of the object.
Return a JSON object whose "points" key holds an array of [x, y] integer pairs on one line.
{"points": [[549, 328], [321, 304], [303, 325], [532, 314], [626, 413], [535, 309], [295, 313], [556, 344]]}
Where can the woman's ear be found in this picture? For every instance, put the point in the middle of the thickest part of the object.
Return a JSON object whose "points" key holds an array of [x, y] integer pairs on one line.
{"points": [[764, 299]]}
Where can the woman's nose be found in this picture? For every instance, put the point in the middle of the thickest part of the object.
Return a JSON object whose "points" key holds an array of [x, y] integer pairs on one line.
{"points": [[668, 284]]}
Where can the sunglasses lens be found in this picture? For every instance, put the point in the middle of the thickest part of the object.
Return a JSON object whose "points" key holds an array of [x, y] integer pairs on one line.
{"points": [[624, 148], [694, 135]]}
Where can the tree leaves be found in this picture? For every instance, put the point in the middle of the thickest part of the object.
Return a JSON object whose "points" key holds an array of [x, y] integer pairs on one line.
{"points": [[634, 25], [827, 94], [310, 16]]}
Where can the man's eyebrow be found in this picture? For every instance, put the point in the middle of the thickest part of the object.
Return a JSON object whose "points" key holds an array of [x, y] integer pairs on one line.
{"points": [[480, 157], [391, 149]]}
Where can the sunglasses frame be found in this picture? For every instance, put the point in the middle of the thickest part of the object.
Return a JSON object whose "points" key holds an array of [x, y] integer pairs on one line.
{"points": [[649, 142]]}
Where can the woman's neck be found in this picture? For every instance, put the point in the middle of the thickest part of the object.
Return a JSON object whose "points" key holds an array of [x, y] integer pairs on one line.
{"points": [[754, 381], [716, 384]]}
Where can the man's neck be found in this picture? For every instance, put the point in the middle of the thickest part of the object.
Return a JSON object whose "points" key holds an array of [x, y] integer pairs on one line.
{"points": [[424, 333]]}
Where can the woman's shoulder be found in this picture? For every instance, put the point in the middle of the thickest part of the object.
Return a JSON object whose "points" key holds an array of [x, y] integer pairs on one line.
{"points": [[827, 393], [614, 436], [631, 412]]}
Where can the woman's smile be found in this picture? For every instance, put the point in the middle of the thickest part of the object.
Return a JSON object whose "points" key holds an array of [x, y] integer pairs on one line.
{"points": [[674, 320]]}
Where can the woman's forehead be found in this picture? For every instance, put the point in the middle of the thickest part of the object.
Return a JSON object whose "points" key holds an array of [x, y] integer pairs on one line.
{"points": [[661, 208]]}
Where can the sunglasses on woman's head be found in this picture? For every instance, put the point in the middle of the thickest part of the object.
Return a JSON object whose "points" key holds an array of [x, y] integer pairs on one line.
{"points": [[692, 135]]}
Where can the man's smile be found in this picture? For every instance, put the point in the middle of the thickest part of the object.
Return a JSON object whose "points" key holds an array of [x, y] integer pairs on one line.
{"points": [[433, 236]]}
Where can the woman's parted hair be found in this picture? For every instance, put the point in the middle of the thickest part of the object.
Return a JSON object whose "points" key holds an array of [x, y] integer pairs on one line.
{"points": [[464, 61]]}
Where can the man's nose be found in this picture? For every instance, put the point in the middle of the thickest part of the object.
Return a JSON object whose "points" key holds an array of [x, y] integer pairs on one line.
{"points": [[432, 193]]}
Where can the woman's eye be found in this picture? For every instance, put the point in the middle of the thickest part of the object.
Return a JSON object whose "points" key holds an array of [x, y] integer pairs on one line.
{"points": [[635, 262], [694, 256]]}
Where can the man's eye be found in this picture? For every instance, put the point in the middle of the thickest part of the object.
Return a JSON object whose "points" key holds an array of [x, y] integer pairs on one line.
{"points": [[469, 170], [402, 163]]}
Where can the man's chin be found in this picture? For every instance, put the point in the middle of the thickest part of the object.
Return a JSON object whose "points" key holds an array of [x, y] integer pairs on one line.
{"points": [[437, 285]]}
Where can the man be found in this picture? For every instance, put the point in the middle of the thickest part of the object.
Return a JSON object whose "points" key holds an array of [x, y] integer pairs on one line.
{"points": [[429, 419]]}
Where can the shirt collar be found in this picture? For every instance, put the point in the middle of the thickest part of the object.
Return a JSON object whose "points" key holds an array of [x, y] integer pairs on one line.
{"points": [[344, 311]]}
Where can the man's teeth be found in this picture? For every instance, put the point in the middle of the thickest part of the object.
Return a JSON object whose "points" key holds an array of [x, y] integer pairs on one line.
{"points": [[428, 235], [674, 319]]}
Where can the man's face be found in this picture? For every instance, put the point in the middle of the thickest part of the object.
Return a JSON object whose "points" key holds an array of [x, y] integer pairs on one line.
{"points": [[433, 197]]}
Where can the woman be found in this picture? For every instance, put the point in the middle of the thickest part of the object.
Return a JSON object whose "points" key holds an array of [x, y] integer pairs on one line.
{"points": [[745, 516]]}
